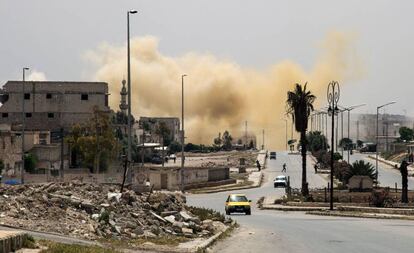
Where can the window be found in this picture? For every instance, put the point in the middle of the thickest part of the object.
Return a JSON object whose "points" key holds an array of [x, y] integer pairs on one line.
{"points": [[48, 95], [28, 114], [4, 115], [50, 115], [27, 96], [106, 100], [84, 96]]}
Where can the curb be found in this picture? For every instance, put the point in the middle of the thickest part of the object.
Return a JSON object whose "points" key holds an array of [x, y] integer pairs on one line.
{"points": [[361, 215], [233, 188], [204, 245], [292, 208]]}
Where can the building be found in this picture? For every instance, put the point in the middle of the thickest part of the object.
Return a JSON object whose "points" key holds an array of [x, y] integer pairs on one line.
{"points": [[51, 105], [10, 151], [151, 123], [388, 128]]}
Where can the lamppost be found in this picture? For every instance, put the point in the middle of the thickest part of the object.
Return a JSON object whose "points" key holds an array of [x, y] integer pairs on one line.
{"points": [[376, 146], [23, 124], [182, 132], [333, 98], [129, 175], [349, 109]]}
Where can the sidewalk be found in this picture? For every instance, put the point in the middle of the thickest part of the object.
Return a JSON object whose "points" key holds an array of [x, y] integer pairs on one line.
{"points": [[391, 163]]}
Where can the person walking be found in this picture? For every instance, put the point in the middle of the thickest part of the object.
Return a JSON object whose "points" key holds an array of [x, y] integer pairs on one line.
{"points": [[258, 165], [284, 167]]}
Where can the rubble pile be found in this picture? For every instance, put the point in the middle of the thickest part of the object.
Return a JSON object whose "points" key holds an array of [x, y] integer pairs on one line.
{"points": [[93, 212]]}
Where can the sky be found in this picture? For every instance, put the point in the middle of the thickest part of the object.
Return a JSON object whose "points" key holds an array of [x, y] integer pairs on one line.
{"points": [[52, 38]]}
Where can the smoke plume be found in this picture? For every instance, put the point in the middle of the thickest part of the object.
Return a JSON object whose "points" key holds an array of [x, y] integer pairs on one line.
{"points": [[36, 76], [220, 94]]}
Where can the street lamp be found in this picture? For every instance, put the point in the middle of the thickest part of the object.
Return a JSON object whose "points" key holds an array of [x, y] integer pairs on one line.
{"points": [[376, 146], [129, 175], [349, 109], [182, 132], [333, 98], [23, 124]]}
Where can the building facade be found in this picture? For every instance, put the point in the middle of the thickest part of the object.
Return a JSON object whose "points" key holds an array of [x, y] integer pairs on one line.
{"points": [[51, 105]]}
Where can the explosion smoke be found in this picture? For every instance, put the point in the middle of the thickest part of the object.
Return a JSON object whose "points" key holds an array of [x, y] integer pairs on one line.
{"points": [[219, 94]]}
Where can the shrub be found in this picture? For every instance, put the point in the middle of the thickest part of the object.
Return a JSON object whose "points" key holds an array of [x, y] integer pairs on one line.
{"points": [[361, 168]]}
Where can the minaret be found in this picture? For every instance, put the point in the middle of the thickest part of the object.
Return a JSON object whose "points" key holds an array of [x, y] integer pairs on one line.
{"points": [[123, 105]]}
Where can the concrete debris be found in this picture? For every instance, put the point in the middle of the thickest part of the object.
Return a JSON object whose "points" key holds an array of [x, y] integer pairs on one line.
{"points": [[93, 212]]}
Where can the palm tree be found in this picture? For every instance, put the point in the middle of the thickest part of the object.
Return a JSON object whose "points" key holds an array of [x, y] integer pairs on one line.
{"points": [[360, 168], [300, 105]]}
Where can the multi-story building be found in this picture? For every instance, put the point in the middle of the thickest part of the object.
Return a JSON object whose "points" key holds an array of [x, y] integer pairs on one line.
{"points": [[51, 105]]}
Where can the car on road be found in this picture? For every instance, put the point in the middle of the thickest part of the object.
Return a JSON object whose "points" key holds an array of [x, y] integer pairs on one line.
{"points": [[280, 181], [237, 203], [272, 155], [156, 159]]}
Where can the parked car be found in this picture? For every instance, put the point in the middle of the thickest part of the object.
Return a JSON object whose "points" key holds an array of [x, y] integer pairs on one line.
{"points": [[156, 159], [272, 155], [237, 203], [280, 181]]}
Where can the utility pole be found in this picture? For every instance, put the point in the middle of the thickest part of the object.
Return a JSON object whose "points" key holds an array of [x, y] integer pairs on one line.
{"points": [[61, 153], [376, 146], [245, 135], [263, 139], [182, 133], [129, 157], [23, 125]]}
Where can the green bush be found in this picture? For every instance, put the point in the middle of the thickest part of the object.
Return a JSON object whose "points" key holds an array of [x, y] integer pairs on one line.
{"points": [[360, 168]]}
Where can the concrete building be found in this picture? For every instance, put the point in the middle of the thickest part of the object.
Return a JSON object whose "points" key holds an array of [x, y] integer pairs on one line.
{"points": [[11, 152], [169, 178], [364, 127], [51, 105], [172, 123]]}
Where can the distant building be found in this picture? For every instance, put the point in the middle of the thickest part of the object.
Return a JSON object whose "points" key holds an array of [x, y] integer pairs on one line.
{"points": [[172, 123], [365, 128], [51, 105]]}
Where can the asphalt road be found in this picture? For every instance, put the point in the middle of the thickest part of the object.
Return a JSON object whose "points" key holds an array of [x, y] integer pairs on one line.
{"points": [[275, 231]]}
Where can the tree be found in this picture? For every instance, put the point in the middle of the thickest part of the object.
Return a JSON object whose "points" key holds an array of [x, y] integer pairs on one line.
{"points": [[30, 162], [94, 142], [316, 141], [299, 106], [360, 143], [226, 139], [164, 133], [345, 143], [174, 147], [360, 168], [251, 144], [406, 134]]}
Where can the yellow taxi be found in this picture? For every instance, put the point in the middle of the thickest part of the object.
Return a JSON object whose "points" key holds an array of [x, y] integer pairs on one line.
{"points": [[237, 203]]}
